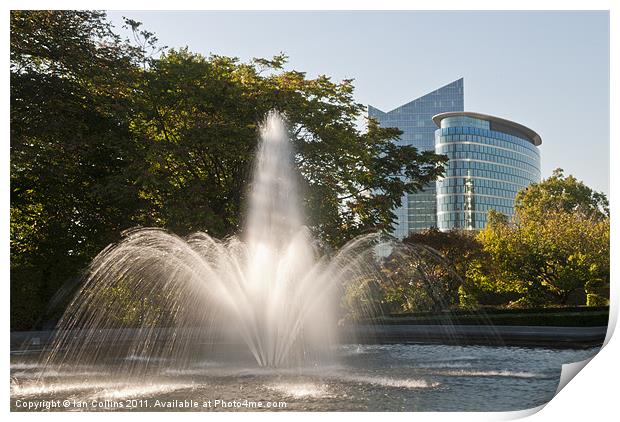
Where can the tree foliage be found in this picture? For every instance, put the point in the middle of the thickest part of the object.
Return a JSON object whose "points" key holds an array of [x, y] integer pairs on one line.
{"points": [[558, 194], [556, 251], [73, 156], [461, 251], [458, 247], [200, 118], [106, 134]]}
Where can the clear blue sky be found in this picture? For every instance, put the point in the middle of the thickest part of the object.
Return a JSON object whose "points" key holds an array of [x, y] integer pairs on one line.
{"points": [[546, 70]]}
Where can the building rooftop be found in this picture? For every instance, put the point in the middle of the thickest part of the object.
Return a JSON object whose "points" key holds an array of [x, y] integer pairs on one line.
{"points": [[458, 83], [497, 124]]}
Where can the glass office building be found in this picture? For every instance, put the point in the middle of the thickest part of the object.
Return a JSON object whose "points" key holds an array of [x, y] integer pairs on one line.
{"points": [[490, 160], [415, 119]]}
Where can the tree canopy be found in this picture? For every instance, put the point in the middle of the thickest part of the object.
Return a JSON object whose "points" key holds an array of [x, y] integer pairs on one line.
{"points": [[107, 134], [199, 116], [553, 252], [560, 193], [557, 248], [73, 156]]}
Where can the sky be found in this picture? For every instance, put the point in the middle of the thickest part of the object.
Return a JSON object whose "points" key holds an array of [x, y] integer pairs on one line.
{"points": [[548, 70]]}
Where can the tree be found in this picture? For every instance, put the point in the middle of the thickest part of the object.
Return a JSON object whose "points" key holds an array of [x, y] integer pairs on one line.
{"points": [[560, 193], [460, 249], [105, 136], [514, 266], [417, 278], [556, 251], [73, 156], [570, 223], [200, 118]]}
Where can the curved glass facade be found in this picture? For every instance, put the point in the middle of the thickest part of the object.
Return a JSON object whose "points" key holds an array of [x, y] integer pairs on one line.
{"points": [[490, 160]]}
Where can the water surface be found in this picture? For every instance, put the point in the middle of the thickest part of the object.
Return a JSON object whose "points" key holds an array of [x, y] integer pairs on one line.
{"points": [[396, 377]]}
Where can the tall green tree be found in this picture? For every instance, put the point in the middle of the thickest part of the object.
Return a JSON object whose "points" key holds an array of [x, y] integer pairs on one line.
{"points": [[106, 136], [73, 156], [200, 117]]}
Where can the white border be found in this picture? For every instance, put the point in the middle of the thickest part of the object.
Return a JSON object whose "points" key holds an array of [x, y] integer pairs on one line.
{"points": [[589, 397]]}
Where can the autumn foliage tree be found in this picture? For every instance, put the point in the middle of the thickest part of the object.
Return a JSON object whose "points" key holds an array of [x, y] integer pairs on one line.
{"points": [[556, 250]]}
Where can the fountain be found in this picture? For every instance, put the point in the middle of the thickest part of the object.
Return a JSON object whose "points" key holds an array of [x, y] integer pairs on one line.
{"points": [[155, 296], [164, 322]]}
